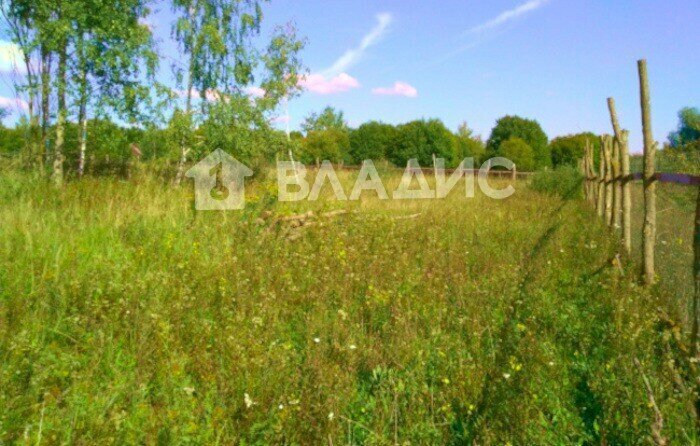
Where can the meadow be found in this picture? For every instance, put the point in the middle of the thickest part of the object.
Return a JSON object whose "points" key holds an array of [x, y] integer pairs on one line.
{"points": [[127, 317]]}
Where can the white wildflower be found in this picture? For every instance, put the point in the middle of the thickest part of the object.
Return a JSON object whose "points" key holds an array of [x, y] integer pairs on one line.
{"points": [[248, 401]]}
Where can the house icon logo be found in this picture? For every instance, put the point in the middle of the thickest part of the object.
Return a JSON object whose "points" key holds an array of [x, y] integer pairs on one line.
{"points": [[219, 182]]}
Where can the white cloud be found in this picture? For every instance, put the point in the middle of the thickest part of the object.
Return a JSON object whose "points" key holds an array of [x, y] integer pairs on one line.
{"points": [[398, 89], [320, 84], [352, 56], [509, 15], [14, 104], [11, 58]]}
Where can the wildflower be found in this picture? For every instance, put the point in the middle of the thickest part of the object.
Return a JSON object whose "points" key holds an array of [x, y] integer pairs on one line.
{"points": [[188, 390], [352, 347], [445, 381], [280, 407], [331, 416], [248, 401], [506, 375], [317, 340], [551, 363]]}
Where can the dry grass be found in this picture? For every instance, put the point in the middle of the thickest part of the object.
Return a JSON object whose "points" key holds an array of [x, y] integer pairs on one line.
{"points": [[126, 317]]}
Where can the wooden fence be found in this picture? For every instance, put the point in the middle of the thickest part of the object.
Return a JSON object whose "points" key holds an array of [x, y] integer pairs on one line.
{"points": [[609, 190]]}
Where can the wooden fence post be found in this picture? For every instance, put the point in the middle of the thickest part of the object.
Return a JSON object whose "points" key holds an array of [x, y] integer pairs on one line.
{"points": [[626, 191], [514, 173], [588, 172], [606, 141], [617, 185], [623, 181], [592, 175], [696, 269], [601, 183], [613, 117], [649, 231], [584, 172]]}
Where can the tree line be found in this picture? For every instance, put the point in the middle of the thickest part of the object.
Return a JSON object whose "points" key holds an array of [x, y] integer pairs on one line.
{"points": [[326, 135], [91, 65], [90, 78]]}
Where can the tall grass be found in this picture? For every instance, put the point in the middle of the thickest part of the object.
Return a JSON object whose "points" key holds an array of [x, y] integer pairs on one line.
{"points": [[126, 317]]}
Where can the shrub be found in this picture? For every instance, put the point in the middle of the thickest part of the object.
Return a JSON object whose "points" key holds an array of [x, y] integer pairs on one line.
{"points": [[565, 182], [518, 151], [421, 139], [331, 144], [528, 130], [467, 146], [567, 150], [371, 141]]}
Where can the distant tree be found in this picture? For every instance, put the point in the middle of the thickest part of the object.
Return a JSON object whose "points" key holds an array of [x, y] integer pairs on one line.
{"points": [[688, 128], [421, 139], [567, 150], [218, 41], [467, 145], [329, 118], [331, 144], [371, 140], [12, 140], [520, 152], [528, 130]]}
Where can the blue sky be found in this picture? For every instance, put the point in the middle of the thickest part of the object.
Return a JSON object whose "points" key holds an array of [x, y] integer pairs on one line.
{"points": [[552, 60]]}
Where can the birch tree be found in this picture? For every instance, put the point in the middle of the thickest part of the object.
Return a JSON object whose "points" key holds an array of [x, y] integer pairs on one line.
{"points": [[222, 57]]}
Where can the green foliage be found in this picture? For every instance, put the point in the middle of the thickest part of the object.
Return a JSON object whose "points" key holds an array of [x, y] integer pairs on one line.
{"points": [[518, 151], [565, 182], [329, 118], [568, 150], [239, 129], [421, 139], [331, 144], [371, 141], [128, 321], [528, 130], [467, 146], [688, 128], [12, 140]]}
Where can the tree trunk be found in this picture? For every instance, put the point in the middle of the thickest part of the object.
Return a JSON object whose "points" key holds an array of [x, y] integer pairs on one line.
{"points": [[607, 154], [45, 101], [649, 232], [696, 299], [184, 150], [617, 185], [601, 182], [61, 120], [32, 150], [82, 113], [626, 191], [82, 137]]}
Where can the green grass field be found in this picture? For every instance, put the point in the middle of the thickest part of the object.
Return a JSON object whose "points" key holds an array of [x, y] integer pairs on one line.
{"points": [[127, 318]]}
